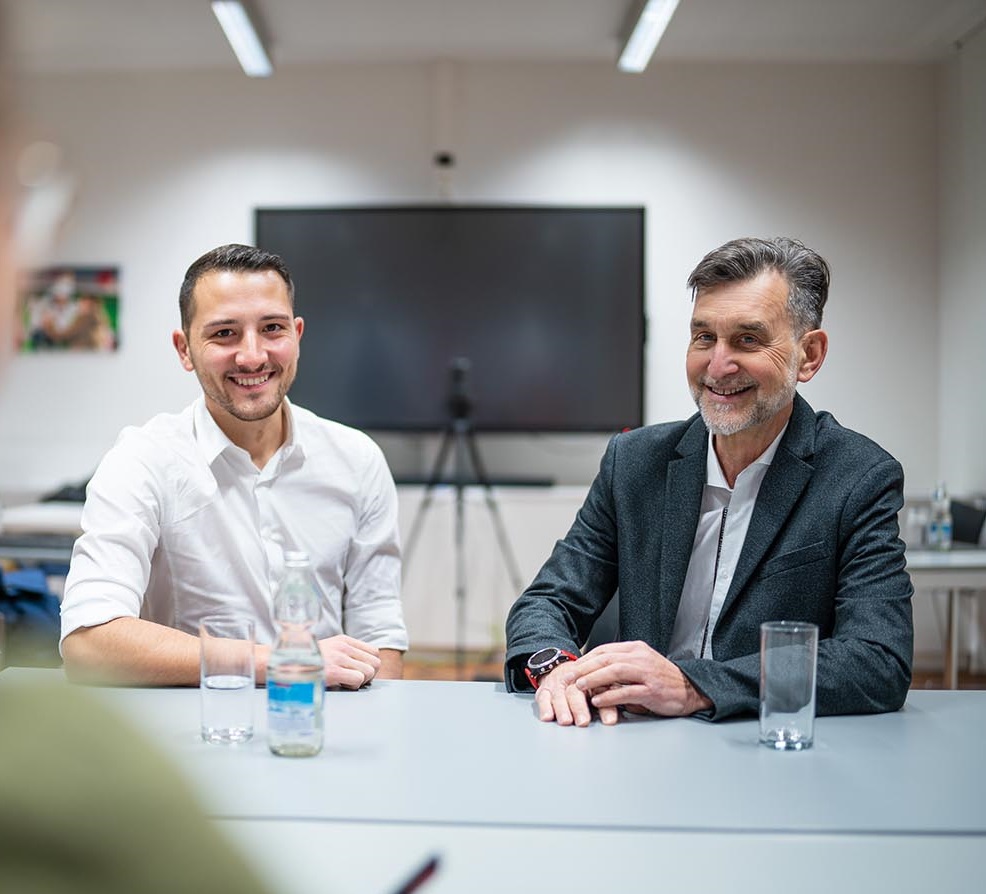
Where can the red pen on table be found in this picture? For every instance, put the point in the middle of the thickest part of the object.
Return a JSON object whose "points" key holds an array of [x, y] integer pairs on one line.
{"points": [[420, 877]]}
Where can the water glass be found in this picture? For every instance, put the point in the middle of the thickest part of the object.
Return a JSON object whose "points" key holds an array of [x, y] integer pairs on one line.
{"points": [[788, 661], [227, 679]]}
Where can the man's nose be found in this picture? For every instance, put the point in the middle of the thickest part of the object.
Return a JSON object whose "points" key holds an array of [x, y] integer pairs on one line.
{"points": [[722, 362], [250, 352]]}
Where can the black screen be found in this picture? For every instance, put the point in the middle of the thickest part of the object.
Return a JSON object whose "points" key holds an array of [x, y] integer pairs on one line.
{"points": [[540, 310]]}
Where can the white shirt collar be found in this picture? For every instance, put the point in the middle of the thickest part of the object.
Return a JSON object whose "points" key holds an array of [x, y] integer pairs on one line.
{"points": [[213, 441], [714, 475]]}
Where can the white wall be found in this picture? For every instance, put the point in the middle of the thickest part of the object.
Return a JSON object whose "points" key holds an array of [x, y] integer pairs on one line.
{"points": [[962, 339], [962, 310], [171, 165]]}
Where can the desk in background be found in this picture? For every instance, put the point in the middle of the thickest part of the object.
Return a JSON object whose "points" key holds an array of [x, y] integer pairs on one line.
{"points": [[40, 533], [953, 571], [887, 802]]}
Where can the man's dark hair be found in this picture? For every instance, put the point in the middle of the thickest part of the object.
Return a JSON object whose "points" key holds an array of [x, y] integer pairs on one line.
{"points": [[806, 272], [233, 259]]}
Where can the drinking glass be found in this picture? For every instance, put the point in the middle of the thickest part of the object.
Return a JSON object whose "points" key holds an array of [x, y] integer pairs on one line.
{"points": [[788, 660], [227, 678]]}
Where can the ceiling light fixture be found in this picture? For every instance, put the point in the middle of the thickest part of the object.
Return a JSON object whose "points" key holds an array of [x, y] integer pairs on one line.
{"points": [[653, 17], [244, 37]]}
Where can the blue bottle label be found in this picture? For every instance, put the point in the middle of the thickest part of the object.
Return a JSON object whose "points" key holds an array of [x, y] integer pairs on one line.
{"points": [[299, 693], [290, 706]]}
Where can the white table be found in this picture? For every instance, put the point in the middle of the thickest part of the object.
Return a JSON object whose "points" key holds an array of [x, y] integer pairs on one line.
{"points": [[410, 768], [40, 532], [953, 571]]}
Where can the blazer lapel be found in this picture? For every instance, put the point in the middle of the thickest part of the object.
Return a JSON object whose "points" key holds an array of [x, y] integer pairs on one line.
{"points": [[682, 503], [782, 486]]}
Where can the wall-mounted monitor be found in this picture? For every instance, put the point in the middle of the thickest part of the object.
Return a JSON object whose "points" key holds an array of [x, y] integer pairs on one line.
{"points": [[534, 314]]}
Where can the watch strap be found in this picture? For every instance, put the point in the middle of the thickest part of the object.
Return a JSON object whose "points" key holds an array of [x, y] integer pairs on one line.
{"points": [[563, 657]]}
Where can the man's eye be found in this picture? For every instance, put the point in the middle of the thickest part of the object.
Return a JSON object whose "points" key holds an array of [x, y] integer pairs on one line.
{"points": [[749, 341], [273, 327], [222, 333]]}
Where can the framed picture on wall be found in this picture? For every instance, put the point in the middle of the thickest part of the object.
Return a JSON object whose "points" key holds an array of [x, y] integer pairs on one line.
{"points": [[69, 308]]}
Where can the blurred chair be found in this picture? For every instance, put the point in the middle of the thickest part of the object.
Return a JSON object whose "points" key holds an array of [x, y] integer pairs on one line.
{"points": [[967, 522]]}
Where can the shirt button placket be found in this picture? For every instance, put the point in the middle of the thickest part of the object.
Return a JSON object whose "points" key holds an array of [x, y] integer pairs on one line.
{"points": [[270, 536]]}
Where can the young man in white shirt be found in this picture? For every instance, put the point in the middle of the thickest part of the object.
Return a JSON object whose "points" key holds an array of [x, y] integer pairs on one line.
{"points": [[190, 514]]}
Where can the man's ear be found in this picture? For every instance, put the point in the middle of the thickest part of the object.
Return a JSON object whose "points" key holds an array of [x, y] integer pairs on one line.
{"points": [[180, 342], [814, 347]]}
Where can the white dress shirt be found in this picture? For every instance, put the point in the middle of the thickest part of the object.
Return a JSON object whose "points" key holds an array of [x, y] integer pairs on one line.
{"points": [[179, 523], [722, 525]]}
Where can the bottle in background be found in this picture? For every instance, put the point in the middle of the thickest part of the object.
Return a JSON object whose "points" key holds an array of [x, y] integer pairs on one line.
{"points": [[940, 521], [295, 670]]}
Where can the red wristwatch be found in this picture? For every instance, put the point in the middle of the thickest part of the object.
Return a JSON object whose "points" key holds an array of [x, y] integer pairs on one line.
{"points": [[544, 661]]}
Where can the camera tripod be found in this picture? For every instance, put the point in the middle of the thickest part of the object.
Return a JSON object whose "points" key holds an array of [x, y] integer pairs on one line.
{"points": [[459, 439]]}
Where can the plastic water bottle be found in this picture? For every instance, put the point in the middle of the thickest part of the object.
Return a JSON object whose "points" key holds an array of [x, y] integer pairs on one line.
{"points": [[295, 669], [940, 522]]}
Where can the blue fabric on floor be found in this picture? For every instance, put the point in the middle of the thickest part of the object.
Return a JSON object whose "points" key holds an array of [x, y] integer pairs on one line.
{"points": [[31, 618]]}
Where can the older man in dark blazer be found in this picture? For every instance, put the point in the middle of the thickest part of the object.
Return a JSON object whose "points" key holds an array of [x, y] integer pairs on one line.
{"points": [[755, 509]]}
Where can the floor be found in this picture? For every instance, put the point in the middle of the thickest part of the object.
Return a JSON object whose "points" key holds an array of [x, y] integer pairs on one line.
{"points": [[437, 664], [932, 679]]}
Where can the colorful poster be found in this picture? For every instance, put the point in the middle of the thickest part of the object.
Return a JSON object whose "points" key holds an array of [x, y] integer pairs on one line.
{"points": [[70, 308]]}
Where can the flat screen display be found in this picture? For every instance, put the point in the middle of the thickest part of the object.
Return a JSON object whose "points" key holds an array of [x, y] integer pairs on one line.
{"points": [[525, 319]]}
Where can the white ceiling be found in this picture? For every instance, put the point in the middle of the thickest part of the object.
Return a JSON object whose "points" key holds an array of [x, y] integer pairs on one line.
{"points": [[128, 35]]}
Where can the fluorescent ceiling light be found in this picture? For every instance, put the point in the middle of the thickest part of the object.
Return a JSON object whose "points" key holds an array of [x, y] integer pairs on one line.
{"points": [[647, 33], [243, 37]]}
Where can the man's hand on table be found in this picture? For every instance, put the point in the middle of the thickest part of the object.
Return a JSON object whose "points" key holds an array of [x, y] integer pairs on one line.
{"points": [[349, 662], [612, 676]]}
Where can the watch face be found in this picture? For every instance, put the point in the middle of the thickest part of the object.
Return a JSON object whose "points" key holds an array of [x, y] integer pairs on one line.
{"points": [[542, 657]]}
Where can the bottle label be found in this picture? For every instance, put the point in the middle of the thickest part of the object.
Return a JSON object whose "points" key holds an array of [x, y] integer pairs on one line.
{"points": [[290, 706], [939, 533]]}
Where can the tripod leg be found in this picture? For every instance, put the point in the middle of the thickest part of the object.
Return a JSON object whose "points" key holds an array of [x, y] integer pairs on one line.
{"points": [[433, 478], [459, 431], [513, 570], [460, 581]]}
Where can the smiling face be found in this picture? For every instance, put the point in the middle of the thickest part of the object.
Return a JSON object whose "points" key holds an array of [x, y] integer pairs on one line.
{"points": [[744, 359], [242, 344]]}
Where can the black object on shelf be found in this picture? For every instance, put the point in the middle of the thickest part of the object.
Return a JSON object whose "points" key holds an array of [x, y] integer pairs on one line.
{"points": [[68, 493]]}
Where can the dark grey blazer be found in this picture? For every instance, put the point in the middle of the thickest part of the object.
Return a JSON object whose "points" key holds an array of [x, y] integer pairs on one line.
{"points": [[822, 546]]}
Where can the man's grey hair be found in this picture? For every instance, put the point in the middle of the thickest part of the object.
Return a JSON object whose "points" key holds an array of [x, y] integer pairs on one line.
{"points": [[806, 273]]}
